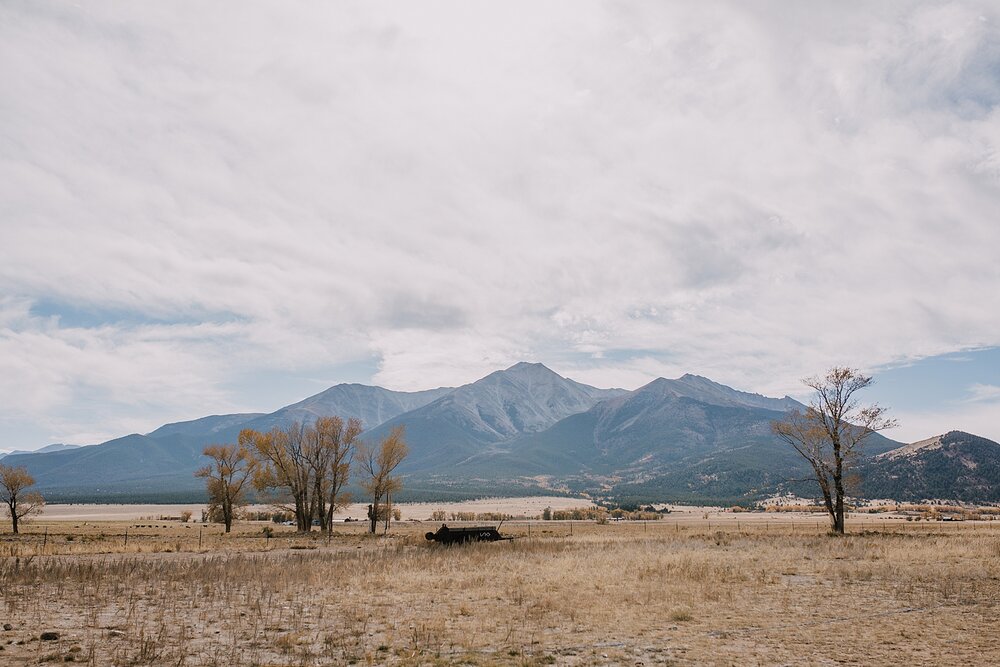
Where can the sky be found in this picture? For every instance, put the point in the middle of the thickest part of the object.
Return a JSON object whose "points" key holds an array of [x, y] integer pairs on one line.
{"points": [[221, 207]]}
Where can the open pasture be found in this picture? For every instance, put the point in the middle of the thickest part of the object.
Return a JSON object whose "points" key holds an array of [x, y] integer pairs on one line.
{"points": [[682, 591]]}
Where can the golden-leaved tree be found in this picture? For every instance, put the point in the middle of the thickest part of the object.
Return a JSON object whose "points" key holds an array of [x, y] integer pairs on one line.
{"points": [[305, 468], [283, 476], [378, 464], [20, 502], [329, 451], [227, 477]]}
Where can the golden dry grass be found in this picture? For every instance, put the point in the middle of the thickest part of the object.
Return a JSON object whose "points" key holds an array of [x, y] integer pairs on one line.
{"points": [[662, 593]]}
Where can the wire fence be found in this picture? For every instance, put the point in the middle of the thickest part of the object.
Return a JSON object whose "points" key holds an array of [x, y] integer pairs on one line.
{"points": [[167, 537]]}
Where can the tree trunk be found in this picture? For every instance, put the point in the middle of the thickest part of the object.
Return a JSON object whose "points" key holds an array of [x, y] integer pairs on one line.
{"points": [[828, 501], [319, 498], [312, 512], [301, 520], [838, 485], [13, 520], [388, 512], [227, 515]]}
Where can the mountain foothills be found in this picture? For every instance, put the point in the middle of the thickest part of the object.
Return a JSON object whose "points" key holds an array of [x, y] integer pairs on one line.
{"points": [[956, 465], [526, 430]]}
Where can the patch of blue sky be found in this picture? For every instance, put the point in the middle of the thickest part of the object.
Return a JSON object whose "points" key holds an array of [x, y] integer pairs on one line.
{"points": [[266, 390], [89, 316], [929, 383], [20, 433]]}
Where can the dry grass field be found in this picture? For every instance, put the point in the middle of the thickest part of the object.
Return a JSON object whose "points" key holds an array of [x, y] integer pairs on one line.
{"points": [[669, 592]]}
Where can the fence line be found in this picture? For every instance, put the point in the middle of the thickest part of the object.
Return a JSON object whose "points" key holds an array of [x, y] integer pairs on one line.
{"points": [[143, 538]]}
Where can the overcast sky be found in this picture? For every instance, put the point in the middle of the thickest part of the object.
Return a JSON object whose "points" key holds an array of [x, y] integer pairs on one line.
{"points": [[217, 207]]}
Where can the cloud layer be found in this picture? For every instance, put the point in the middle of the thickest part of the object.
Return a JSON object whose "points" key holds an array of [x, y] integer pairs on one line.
{"points": [[195, 198]]}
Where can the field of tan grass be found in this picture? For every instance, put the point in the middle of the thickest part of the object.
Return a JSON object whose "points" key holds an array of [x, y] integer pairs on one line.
{"points": [[528, 506], [666, 592]]}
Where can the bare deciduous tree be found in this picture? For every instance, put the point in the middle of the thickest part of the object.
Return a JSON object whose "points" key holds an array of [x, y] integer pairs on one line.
{"points": [[831, 431], [378, 462], [20, 502], [226, 476]]}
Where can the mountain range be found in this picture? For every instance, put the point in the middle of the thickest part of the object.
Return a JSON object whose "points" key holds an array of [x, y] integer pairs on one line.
{"points": [[57, 447], [527, 429]]}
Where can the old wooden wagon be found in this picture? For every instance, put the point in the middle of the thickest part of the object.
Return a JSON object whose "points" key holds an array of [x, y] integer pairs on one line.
{"points": [[446, 535]]}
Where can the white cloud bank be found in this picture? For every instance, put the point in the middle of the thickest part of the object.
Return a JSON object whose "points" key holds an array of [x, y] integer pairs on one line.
{"points": [[621, 190]]}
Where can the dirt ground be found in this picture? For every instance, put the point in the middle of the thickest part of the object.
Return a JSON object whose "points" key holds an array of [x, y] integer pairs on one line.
{"points": [[680, 591]]}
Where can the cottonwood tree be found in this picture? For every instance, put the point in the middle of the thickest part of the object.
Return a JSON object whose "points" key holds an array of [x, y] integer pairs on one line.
{"points": [[329, 451], [378, 463], [227, 477], [304, 469], [283, 472], [20, 502], [831, 431]]}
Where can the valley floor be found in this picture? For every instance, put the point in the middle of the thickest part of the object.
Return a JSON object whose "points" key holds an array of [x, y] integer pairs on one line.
{"points": [[668, 592], [527, 505]]}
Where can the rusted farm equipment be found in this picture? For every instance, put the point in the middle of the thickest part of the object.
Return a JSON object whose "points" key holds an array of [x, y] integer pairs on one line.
{"points": [[446, 535]]}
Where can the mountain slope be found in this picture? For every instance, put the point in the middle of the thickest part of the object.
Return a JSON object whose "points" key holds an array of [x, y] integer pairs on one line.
{"points": [[684, 439], [164, 460], [674, 432], [662, 422], [57, 447], [372, 405], [687, 438], [133, 465], [955, 466], [205, 426], [703, 390], [525, 398]]}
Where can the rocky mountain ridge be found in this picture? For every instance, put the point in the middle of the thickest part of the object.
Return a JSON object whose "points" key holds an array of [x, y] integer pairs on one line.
{"points": [[688, 439]]}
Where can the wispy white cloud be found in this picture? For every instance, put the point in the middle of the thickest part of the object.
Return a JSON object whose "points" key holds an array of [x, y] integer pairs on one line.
{"points": [[622, 191], [985, 392]]}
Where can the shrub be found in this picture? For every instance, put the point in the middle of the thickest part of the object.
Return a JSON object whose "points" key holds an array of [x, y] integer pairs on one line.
{"points": [[580, 514]]}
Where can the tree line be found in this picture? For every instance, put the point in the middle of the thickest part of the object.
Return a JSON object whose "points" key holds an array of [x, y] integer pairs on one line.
{"points": [[303, 469]]}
